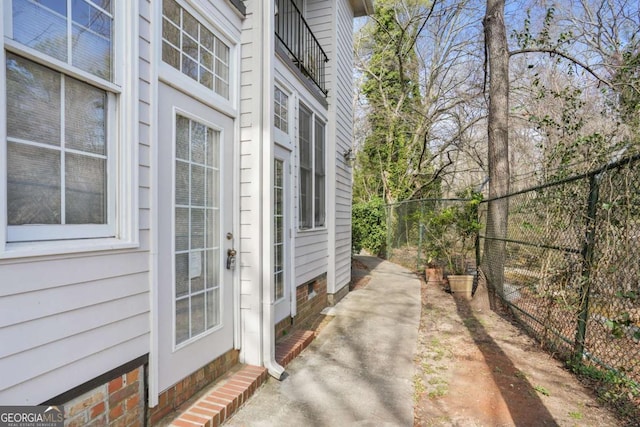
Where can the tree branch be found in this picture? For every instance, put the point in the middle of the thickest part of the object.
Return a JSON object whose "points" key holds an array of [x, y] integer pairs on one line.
{"points": [[566, 56]]}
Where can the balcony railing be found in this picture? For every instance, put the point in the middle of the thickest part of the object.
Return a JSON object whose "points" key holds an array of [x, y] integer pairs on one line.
{"points": [[303, 48]]}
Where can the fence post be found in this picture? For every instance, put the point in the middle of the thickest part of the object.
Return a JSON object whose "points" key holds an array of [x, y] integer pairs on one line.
{"points": [[420, 236], [389, 209], [587, 262]]}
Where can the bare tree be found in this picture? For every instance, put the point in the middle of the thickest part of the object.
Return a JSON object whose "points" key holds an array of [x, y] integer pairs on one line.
{"points": [[492, 265]]}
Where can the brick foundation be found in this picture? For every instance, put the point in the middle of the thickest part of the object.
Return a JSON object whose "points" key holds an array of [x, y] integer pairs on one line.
{"points": [[333, 299], [118, 403], [311, 299], [182, 391]]}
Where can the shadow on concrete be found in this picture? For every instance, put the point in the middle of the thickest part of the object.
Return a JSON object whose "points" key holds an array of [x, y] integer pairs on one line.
{"points": [[524, 404], [359, 369]]}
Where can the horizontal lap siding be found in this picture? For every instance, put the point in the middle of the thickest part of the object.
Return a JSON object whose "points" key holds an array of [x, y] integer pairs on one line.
{"points": [[311, 249], [344, 140], [71, 318]]}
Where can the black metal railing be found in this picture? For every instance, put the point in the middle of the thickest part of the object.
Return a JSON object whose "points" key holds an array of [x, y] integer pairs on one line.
{"points": [[303, 48]]}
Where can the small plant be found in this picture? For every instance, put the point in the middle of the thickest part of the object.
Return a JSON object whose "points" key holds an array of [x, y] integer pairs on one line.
{"points": [[418, 387], [576, 415], [540, 389], [440, 391], [451, 233]]}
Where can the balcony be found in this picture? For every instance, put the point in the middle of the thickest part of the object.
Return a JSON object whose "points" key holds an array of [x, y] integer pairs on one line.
{"points": [[301, 45]]}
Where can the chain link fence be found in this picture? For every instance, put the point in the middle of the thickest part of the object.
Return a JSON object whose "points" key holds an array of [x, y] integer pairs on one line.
{"points": [[420, 232], [571, 273]]}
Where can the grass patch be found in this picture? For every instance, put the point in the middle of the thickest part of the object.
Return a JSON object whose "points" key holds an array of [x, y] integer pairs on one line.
{"points": [[440, 390], [540, 389], [418, 387]]}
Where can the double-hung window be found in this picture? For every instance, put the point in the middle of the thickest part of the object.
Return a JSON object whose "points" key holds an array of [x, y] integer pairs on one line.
{"points": [[63, 138], [311, 140]]}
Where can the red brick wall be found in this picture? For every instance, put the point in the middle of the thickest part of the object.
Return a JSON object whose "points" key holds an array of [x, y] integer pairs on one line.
{"points": [[311, 299], [182, 391], [118, 403]]}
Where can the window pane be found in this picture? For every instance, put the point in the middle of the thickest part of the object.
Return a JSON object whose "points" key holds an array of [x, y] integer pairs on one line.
{"points": [[182, 183], [280, 110], [206, 78], [189, 67], [33, 101], [319, 197], [213, 190], [182, 320], [319, 201], [213, 270], [170, 33], [196, 270], [182, 229], [182, 274], [198, 135], [33, 185], [190, 46], [306, 188], [85, 117], [206, 38], [197, 228], [92, 52], [213, 308], [197, 185], [91, 19], [170, 55], [85, 194], [171, 10], [190, 24], [42, 26], [182, 138], [212, 148], [213, 227], [197, 314]]}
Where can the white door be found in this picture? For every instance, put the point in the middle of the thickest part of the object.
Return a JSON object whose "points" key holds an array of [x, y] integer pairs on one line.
{"points": [[281, 235], [195, 296]]}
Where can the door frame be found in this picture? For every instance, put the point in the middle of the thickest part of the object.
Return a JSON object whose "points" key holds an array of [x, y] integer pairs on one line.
{"points": [[194, 109]]}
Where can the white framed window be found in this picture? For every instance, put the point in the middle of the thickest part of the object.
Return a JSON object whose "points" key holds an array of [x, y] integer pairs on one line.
{"points": [[278, 229], [68, 135], [281, 110], [197, 229], [193, 49], [312, 184]]}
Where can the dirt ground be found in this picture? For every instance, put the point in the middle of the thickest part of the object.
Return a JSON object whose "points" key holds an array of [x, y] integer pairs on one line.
{"points": [[477, 369]]}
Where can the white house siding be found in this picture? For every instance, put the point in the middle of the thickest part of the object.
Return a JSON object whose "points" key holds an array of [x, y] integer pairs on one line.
{"points": [[342, 95], [66, 319], [312, 247], [332, 23], [250, 181]]}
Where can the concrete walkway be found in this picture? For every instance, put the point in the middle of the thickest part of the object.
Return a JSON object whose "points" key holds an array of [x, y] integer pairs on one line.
{"points": [[359, 370]]}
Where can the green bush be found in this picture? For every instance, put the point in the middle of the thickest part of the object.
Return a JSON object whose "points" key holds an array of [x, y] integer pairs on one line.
{"points": [[369, 226]]}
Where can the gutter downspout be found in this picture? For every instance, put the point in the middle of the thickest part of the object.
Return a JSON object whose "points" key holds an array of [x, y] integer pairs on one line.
{"points": [[266, 78]]}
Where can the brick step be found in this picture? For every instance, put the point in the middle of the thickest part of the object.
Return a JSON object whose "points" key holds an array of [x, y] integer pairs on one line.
{"points": [[231, 392], [290, 347], [225, 398]]}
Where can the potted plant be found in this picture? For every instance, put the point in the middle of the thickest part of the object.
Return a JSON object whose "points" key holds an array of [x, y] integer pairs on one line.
{"points": [[462, 238], [434, 271]]}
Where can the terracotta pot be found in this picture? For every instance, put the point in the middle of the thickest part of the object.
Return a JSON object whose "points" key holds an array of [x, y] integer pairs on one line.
{"points": [[461, 285], [434, 275]]}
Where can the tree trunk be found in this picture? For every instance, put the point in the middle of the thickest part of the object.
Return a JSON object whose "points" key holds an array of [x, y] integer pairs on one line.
{"points": [[492, 265]]}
